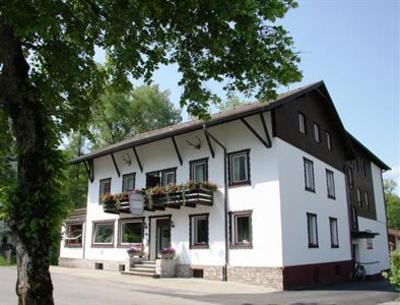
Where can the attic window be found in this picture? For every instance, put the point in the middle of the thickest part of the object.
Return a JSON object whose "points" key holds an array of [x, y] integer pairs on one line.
{"points": [[317, 136], [302, 123]]}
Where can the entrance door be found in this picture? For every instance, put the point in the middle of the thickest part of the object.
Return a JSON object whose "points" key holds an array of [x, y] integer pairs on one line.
{"points": [[163, 234]]}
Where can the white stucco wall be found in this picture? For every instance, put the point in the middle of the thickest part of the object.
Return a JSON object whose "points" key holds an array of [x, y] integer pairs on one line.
{"points": [[377, 259], [296, 202], [262, 196]]}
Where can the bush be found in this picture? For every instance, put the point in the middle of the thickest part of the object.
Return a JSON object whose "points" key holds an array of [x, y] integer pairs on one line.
{"points": [[394, 274], [3, 261]]}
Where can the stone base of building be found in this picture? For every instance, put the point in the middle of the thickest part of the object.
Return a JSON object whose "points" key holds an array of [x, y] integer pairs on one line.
{"points": [[290, 277], [270, 277], [93, 264]]}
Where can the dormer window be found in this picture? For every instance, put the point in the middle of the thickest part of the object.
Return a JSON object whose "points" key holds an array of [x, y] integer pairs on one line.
{"points": [[302, 123], [317, 136]]}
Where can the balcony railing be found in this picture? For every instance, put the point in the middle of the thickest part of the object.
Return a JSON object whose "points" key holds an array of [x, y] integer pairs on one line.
{"points": [[159, 198]]}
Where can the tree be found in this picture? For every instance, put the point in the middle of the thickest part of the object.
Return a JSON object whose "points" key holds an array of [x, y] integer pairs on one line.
{"points": [[392, 204], [49, 80], [119, 115], [230, 103]]}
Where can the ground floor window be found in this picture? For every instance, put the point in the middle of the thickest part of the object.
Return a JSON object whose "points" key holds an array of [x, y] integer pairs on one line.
{"points": [[198, 231], [241, 229], [312, 228], [131, 231], [74, 235], [103, 234]]}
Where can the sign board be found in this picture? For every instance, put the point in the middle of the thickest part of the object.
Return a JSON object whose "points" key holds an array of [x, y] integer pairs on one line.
{"points": [[136, 203]]}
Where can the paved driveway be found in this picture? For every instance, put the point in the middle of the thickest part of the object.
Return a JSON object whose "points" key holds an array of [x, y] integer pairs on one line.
{"points": [[91, 287]]}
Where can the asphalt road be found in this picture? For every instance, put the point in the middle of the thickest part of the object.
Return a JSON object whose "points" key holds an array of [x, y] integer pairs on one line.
{"points": [[92, 287]]}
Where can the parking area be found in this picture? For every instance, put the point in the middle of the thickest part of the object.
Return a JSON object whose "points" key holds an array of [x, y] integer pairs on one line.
{"points": [[93, 287]]}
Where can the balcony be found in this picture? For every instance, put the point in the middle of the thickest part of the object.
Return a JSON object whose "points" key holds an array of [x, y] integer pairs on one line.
{"points": [[161, 197]]}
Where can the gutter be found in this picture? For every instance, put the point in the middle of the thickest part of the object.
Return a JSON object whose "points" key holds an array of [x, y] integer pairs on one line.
{"points": [[226, 189]]}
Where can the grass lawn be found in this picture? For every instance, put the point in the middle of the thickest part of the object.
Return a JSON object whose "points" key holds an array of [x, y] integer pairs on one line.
{"points": [[3, 262]]}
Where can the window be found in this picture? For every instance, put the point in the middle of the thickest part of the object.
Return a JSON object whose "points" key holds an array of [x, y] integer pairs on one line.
{"points": [[349, 176], [199, 170], [239, 168], [152, 179], [302, 123], [128, 182], [103, 234], [131, 231], [168, 176], [330, 184], [334, 232], [359, 199], [241, 232], [74, 235], [317, 136], [328, 140], [356, 166], [366, 200], [309, 175], [312, 229], [354, 218], [365, 168], [105, 188], [370, 243], [198, 231], [163, 177]]}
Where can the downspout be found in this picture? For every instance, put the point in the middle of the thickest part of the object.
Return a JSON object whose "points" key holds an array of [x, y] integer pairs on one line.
{"points": [[225, 268]]}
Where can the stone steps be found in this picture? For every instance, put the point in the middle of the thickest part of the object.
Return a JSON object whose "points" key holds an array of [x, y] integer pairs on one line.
{"points": [[145, 268]]}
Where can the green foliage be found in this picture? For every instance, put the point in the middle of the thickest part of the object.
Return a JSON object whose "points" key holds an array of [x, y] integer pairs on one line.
{"points": [[230, 103], [76, 181], [119, 115], [394, 274], [236, 41], [392, 204], [3, 261]]}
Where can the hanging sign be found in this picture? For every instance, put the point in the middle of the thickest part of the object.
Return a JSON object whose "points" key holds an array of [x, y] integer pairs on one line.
{"points": [[136, 203]]}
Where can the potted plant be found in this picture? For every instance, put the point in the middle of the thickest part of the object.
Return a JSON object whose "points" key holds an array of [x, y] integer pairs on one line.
{"points": [[135, 250], [167, 253]]}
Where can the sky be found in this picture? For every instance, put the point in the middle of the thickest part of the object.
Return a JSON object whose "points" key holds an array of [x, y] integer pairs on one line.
{"points": [[353, 46]]}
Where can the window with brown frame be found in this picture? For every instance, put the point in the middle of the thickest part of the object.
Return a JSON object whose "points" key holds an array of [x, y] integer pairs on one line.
{"points": [[130, 231], [128, 182], [366, 200], [74, 233], [161, 177], [330, 183], [359, 199], [349, 176], [309, 175], [302, 123], [317, 135], [241, 229], [104, 188], [334, 232], [239, 168], [199, 170], [328, 140], [198, 231], [103, 234], [312, 229]]}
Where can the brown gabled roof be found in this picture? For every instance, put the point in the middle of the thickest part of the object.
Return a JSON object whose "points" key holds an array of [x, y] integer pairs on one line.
{"points": [[366, 151], [185, 127], [230, 115]]}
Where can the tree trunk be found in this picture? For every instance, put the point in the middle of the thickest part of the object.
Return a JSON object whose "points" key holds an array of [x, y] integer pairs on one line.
{"points": [[31, 208], [34, 286]]}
